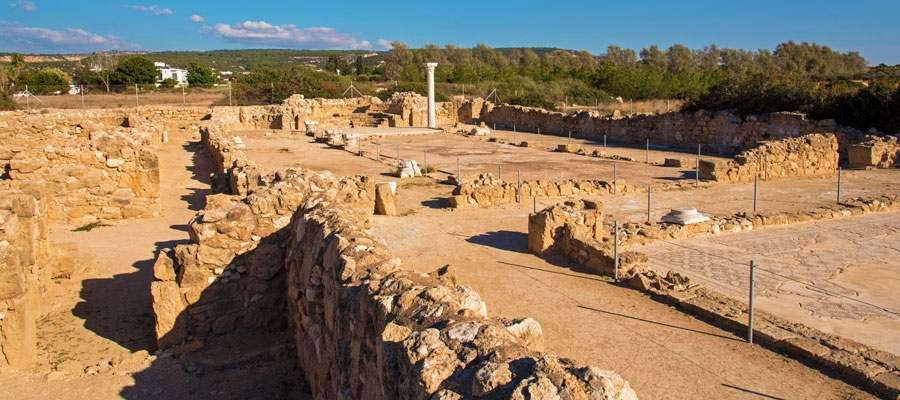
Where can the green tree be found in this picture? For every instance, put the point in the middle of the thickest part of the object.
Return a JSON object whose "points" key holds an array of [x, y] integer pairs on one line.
{"points": [[14, 70], [17, 61], [361, 65], [46, 81], [135, 70], [198, 74], [337, 65]]}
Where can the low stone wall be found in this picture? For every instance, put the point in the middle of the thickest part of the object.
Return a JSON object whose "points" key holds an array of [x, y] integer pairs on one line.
{"points": [[810, 155], [575, 229], [721, 130], [366, 329], [23, 254], [83, 169], [484, 190]]}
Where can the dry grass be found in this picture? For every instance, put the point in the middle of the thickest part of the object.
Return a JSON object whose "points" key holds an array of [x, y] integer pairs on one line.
{"points": [[168, 97]]}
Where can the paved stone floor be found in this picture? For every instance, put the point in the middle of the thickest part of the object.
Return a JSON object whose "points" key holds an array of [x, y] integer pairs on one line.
{"points": [[840, 276]]}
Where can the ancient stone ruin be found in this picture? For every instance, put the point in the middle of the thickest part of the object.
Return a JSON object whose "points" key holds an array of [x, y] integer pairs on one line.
{"points": [[292, 249]]}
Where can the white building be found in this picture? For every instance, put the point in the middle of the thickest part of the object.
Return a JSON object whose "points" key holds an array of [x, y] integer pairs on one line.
{"points": [[166, 72]]}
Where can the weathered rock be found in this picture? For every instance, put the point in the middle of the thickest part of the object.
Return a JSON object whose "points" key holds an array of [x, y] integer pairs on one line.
{"points": [[168, 308], [164, 267], [384, 199]]}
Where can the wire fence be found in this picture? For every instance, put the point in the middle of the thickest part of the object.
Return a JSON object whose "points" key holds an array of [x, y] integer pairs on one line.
{"points": [[114, 96], [242, 94]]}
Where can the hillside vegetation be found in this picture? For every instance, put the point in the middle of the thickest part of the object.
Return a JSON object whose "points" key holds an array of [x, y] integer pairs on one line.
{"points": [[803, 77]]}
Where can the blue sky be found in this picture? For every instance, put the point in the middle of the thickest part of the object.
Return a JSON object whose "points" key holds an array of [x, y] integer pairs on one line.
{"points": [[46, 26]]}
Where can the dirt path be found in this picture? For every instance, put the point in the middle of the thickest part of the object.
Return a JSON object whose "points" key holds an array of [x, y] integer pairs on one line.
{"points": [[96, 337]]}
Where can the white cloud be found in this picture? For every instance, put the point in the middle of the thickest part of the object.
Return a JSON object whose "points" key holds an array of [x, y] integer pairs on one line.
{"points": [[24, 5], [15, 37], [155, 10], [290, 36], [198, 19], [382, 44]]}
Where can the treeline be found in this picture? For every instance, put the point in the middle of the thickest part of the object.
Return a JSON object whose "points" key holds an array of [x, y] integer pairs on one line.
{"points": [[550, 75], [804, 77]]}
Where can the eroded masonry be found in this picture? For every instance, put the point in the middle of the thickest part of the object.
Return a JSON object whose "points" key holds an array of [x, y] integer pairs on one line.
{"points": [[293, 249]]}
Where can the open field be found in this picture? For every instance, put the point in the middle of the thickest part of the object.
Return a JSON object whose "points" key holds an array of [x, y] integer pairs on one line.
{"points": [[163, 97]]}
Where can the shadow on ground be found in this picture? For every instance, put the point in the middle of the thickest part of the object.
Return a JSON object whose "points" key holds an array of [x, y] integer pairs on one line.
{"points": [[503, 240]]}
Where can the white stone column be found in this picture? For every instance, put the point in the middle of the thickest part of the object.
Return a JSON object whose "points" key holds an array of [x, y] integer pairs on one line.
{"points": [[430, 68]]}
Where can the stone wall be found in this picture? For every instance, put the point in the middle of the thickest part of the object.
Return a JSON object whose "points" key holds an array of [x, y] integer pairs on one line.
{"points": [[484, 190], [575, 229], [83, 169], [875, 151], [23, 254], [366, 329], [720, 130], [809, 155]]}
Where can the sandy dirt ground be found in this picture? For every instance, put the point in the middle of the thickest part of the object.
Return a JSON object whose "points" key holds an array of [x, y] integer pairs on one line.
{"points": [[96, 334]]}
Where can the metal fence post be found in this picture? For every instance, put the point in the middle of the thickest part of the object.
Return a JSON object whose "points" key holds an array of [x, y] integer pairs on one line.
{"points": [[750, 308], [755, 191], [647, 160], [519, 186], [649, 191], [839, 186], [615, 184], [616, 252], [697, 174], [425, 161]]}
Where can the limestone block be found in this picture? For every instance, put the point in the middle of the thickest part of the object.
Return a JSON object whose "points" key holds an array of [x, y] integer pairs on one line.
{"points": [[169, 309], [408, 169], [164, 267], [529, 332], [489, 377], [265, 261], [384, 199], [18, 332], [12, 273], [432, 360]]}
